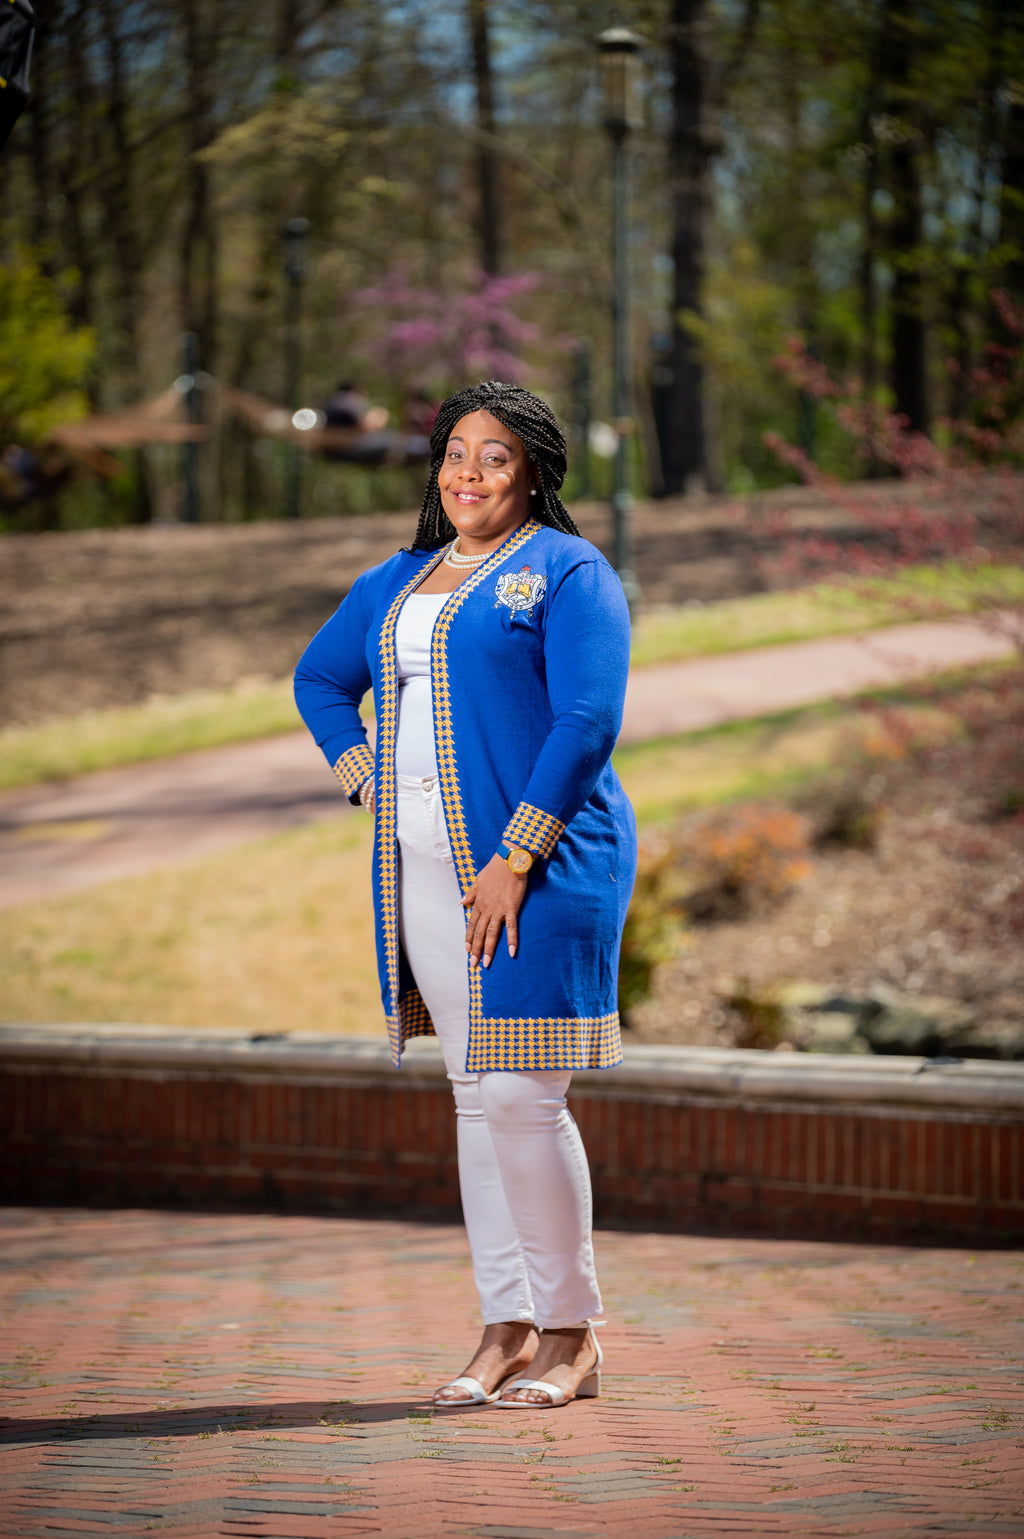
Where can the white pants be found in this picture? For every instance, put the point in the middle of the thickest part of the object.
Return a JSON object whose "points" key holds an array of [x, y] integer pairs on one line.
{"points": [[522, 1169]]}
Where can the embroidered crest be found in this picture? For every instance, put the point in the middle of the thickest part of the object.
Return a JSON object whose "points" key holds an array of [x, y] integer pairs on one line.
{"points": [[522, 590]]}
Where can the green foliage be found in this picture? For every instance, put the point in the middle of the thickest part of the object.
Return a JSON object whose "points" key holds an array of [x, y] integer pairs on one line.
{"points": [[93, 503], [653, 929], [746, 320], [44, 358], [169, 157]]}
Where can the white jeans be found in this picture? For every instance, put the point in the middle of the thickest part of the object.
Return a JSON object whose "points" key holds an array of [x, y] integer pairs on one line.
{"points": [[522, 1169]]}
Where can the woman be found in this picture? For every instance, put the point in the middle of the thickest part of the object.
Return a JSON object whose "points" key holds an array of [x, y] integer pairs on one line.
{"points": [[505, 851]]}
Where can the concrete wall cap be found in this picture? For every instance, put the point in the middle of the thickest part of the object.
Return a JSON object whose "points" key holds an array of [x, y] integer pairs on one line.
{"points": [[652, 1072]]}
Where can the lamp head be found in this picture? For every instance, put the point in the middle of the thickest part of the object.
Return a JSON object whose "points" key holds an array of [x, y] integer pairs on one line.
{"points": [[620, 79]]}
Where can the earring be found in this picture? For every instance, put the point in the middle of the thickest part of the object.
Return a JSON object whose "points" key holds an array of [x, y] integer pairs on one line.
{"points": [[533, 491]]}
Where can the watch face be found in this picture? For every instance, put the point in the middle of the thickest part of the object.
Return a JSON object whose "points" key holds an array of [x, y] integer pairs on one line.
{"points": [[520, 861]]}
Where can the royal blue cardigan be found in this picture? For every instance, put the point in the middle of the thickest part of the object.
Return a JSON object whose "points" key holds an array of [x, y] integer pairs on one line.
{"points": [[528, 665]]}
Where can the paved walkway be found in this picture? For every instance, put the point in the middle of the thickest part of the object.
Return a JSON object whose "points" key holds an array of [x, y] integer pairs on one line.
{"points": [[204, 1375], [60, 837]]}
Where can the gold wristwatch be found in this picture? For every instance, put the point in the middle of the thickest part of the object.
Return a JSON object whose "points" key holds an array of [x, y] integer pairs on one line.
{"points": [[516, 859]]}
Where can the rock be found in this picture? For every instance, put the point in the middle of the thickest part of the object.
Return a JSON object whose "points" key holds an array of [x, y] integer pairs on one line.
{"points": [[815, 1019], [991, 1039], [801, 995], [915, 1024], [830, 1031]]}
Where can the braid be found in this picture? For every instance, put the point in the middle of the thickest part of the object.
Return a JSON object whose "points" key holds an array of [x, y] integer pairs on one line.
{"points": [[532, 421]]}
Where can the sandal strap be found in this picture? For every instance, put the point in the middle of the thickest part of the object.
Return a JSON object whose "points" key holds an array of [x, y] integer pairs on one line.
{"points": [[477, 1394], [557, 1396]]}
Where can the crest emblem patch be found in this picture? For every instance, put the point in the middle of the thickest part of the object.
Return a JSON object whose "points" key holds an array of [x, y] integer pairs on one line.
{"points": [[522, 590]]}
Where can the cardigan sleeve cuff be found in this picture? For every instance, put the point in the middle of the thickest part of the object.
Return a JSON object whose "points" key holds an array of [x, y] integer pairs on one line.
{"points": [[355, 767], [533, 830]]}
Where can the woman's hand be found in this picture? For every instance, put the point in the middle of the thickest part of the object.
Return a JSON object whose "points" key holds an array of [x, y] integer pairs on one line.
{"points": [[493, 901]]}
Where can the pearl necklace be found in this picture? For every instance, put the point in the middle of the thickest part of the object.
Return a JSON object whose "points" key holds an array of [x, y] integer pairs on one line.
{"points": [[453, 556]]}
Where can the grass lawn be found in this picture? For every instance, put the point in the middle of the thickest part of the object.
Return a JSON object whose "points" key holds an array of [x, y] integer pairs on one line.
{"points": [[770, 756], [210, 718], [276, 935], [827, 609]]}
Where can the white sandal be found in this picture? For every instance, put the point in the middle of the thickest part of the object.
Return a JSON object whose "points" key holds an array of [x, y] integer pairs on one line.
{"points": [[588, 1388], [477, 1395]]}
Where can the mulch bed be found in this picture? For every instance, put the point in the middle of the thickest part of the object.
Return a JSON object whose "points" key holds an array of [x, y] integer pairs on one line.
{"points": [[934, 907]]}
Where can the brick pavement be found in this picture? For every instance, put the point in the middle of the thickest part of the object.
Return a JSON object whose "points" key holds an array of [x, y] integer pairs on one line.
{"points": [[266, 1376]]}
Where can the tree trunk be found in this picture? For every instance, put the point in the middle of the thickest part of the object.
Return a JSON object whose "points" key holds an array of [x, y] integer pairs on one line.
{"points": [[1011, 240], [906, 228], [41, 156], [198, 258], [871, 242], [118, 192], [288, 25], [119, 198], [488, 164], [968, 262], [1011, 204], [909, 331], [80, 154], [684, 451], [800, 237], [869, 251], [242, 477]]}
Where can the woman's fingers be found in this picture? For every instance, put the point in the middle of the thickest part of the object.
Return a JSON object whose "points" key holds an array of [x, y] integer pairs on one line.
{"points": [[469, 904], [485, 940], [491, 937], [477, 928], [493, 903]]}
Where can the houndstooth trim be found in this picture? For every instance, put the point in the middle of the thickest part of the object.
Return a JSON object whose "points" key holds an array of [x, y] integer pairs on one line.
{"points": [[354, 767], [533, 830]]}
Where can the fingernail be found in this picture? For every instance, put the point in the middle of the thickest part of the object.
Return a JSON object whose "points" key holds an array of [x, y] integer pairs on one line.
{"points": [[487, 961], [511, 951]]}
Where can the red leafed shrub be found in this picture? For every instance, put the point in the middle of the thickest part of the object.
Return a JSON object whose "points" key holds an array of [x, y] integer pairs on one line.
{"points": [[960, 502], [718, 865], [739, 859]]}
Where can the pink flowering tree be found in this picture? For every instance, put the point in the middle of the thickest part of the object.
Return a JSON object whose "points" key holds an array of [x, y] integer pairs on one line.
{"points": [[444, 340]]}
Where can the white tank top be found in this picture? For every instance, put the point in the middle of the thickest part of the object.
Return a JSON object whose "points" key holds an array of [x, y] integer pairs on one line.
{"points": [[415, 753]]}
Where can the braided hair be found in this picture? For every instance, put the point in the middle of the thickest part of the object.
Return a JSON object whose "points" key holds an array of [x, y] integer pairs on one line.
{"points": [[532, 421]]}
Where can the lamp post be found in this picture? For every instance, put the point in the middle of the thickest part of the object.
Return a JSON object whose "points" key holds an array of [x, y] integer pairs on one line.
{"points": [[294, 237], [187, 383], [620, 81]]}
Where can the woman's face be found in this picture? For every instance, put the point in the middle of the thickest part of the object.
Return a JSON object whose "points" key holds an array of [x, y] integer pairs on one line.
{"points": [[485, 481]]}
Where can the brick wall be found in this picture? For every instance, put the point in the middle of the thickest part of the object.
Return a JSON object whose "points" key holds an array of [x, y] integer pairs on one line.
{"points": [[680, 1138]]}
